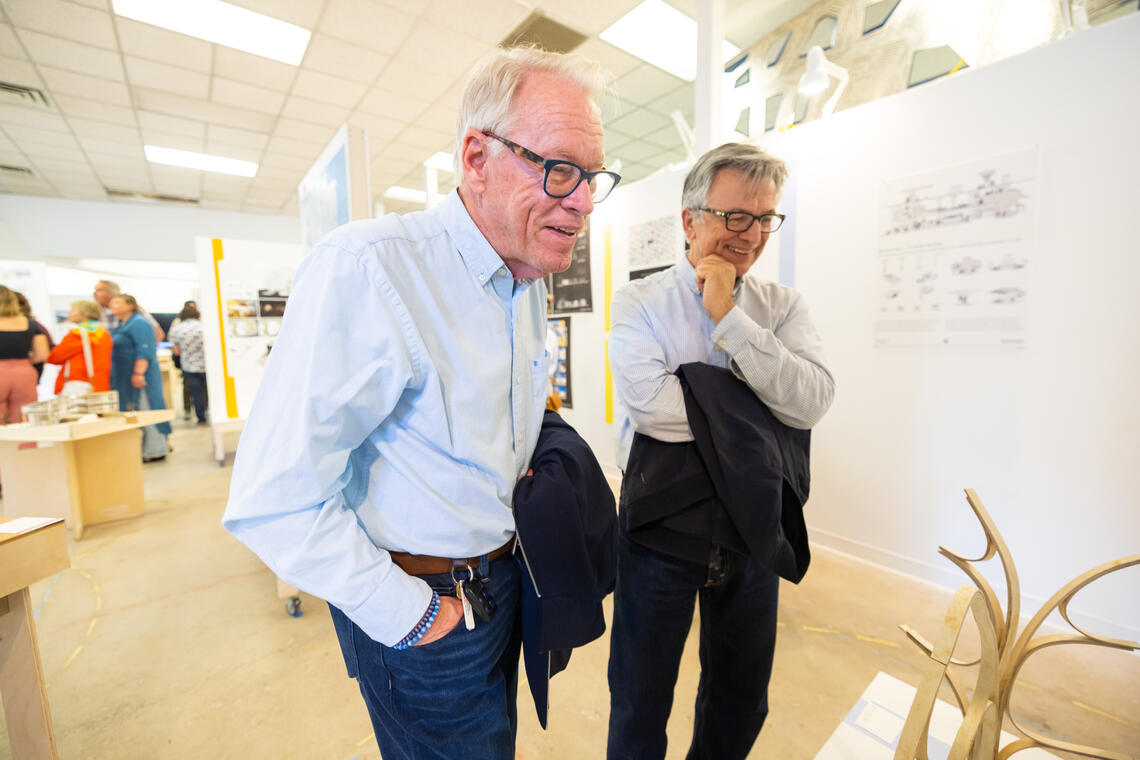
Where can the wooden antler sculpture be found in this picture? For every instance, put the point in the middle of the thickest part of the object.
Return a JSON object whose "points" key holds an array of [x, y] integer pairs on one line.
{"points": [[1002, 655]]}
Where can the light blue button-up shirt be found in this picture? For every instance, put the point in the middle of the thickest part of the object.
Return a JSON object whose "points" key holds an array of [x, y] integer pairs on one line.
{"points": [[767, 339], [401, 402]]}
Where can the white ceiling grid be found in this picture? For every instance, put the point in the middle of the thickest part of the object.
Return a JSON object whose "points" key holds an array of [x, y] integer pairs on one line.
{"points": [[394, 67]]}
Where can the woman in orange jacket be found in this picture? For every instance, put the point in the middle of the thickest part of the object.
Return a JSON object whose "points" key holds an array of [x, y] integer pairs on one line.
{"points": [[74, 377]]}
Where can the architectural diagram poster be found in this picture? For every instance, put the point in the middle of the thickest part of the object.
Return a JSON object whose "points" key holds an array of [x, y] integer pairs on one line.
{"points": [[654, 244], [560, 377], [955, 255], [572, 288], [336, 188]]}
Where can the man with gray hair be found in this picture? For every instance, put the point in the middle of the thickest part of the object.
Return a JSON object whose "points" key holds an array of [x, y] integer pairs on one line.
{"points": [[679, 538], [403, 400]]}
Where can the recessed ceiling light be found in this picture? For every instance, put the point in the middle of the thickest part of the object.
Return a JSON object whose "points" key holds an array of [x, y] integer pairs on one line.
{"points": [[397, 193], [224, 24], [188, 159], [660, 34]]}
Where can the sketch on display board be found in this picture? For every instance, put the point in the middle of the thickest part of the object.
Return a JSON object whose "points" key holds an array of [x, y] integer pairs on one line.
{"points": [[572, 288], [954, 254], [654, 244]]}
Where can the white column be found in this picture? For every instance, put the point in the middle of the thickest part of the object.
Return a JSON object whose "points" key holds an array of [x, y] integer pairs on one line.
{"points": [[710, 71]]}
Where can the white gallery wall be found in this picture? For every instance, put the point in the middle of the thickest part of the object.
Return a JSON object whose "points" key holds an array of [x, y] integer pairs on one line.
{"points": [[1047, 433]]}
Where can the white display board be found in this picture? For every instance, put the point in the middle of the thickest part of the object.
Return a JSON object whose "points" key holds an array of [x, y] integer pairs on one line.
{"points": [[336, 189], [245, 285]]}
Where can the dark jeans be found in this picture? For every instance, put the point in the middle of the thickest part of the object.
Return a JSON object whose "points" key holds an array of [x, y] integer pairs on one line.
{"points": [[653, 610], [452, 699], [196, 383]]}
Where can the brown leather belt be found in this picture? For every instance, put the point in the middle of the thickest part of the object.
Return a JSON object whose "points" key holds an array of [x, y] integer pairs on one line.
{"points": [[423, 564]]}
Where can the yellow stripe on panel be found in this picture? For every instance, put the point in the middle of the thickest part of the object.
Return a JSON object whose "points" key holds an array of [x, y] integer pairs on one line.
{"points": [[231, 394], [609, 388], [608, 279]]}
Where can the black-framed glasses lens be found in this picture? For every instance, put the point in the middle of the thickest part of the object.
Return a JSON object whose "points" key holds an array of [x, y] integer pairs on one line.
{"points": [[563, 178], [741, 222]]}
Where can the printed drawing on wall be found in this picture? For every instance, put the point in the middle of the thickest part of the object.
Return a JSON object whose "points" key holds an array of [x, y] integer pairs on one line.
{"points": [[954, 254], [654, 244], [572, 289], [559, 328]]}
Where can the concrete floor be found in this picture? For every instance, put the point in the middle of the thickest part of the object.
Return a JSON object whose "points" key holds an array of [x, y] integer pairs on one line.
{"points": [[166, 640]]}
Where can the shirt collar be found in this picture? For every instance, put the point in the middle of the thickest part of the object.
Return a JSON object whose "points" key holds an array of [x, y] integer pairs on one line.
{"points": [[481, 260]]}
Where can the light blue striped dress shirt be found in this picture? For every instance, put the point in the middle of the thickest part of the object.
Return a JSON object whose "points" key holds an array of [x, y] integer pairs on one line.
{"points": [[767, 339], [401, 402]]}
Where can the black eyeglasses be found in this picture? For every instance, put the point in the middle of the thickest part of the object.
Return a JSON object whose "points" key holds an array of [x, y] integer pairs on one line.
{"points": [[561, 178], [741, 221]]}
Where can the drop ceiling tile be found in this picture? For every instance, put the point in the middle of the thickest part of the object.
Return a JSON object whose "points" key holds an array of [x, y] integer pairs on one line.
{"points": [[243, 95], [428, 139], [303, 149], [104, 131], [634, 152], [646, 83], [327, 89], [27, 186], [303, 13], [10, 47], [329, 55], [368, 24], [238, 137], [157, 122], [442, 51], [215, 183], [613, 107], [404, 77], [276, 176], [93, 193], [63, 19], [634, 171], [70, 187], [380, 129], [667, 137], [639, 123], [614, 141], [614, 60], [153, 43], [73, 56], [32, 117], [393, 105], [28, 138], [253, 69], [670, 156], [55, 155], [589, 18], [124, 179], [303, 130], [311, 111], [93, 109], [20, 72], [172, 104], [98, 148], [277, 160], [488, 21], [72, 163], [400, 163], [62, 82], [115, 165], [290, 208], [227, 150], [682, 99], [160, 76], [217, 205], [170, 140]]}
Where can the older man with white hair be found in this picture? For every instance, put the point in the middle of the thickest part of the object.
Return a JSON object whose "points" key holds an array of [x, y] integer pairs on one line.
{"points": [[403, 400]]}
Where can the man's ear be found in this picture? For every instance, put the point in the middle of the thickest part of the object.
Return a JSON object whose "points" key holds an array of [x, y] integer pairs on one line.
{"points": [[473, 160], [687, 221]]}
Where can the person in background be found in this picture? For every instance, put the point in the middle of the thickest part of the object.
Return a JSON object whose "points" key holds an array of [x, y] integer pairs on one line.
{"points": [[105, 290], [21, 344], [187, 402], [378, 466], [186, 335], [26, 310], [707, 310], [135, 374], [85, 353]]}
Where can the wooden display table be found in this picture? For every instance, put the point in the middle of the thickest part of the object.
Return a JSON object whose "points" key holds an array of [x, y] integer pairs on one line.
{"points": [[84, 472], [25, 558]]}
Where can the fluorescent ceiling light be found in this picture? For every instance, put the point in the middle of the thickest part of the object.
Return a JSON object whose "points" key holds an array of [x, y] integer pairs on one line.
{"points": [[188, 159], [224, 24], [660, 34], [397, 193], [444, 162]]}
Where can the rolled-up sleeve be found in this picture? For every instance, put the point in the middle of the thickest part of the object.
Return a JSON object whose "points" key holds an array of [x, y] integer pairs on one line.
{"points": [[336, 371], [783, 366]]}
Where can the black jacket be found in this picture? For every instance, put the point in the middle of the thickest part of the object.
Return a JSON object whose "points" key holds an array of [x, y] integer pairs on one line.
{"points": [[566, 525], [741, 483]]}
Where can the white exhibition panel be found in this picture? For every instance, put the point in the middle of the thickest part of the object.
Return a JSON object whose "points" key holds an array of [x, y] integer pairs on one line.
{"points": [[1047, 433], [241, 309]]}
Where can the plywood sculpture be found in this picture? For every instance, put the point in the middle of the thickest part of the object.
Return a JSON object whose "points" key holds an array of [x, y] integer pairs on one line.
{"points": [[1003, 652]]}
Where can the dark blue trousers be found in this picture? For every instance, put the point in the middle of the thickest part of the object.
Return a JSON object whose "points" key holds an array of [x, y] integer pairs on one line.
{"points": [[196, 383], [452, 699], [653, 611]]}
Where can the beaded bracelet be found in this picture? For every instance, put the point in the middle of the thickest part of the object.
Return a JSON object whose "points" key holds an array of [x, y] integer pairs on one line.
{"points": [[422, 626]]}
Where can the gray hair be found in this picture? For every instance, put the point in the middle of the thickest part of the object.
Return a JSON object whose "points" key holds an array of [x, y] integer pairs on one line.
{"points": [[753, 163], [488, 97], [112, 287]]}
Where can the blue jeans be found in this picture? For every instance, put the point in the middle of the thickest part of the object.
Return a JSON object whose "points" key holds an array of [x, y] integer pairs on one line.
{"points": [[451, 699], [653, 610], [196, 383]]}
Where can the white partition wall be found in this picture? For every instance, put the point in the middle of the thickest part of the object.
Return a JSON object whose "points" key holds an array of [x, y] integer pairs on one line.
{"points": [[1047, 433]]}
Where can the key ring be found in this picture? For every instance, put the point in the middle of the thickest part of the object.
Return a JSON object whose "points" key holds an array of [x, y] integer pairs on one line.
{"points": [[458, 564]]}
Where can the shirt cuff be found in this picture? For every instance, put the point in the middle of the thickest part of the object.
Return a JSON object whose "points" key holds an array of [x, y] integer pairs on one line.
{"points": [[732, 332], [394, 609]]}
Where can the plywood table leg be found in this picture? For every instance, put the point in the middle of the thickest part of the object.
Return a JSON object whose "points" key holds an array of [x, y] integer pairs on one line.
{"points": [[22, 681]]}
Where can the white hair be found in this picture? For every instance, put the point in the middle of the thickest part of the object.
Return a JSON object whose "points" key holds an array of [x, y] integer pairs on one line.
{"points": [[488, 97]]}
